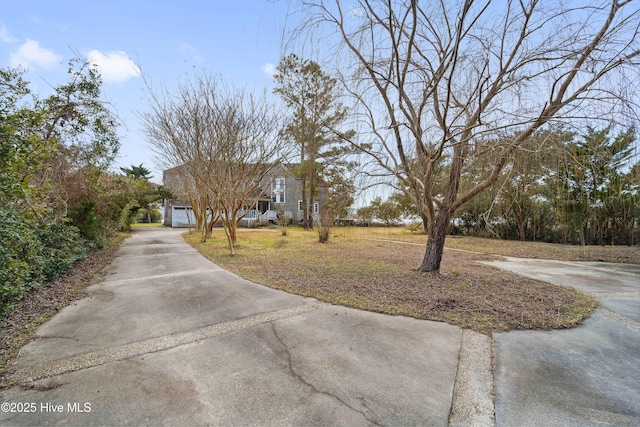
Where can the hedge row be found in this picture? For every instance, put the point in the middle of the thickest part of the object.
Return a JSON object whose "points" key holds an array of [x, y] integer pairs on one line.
{"points": [[32, 253]]}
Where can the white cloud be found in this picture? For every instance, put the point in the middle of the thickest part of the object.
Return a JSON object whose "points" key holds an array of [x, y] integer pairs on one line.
{"points": [[269, 69], [115, 67], [31, 54], [5, 36]]}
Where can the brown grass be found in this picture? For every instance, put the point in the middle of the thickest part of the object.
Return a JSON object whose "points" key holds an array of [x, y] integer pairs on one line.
{"points": [[380, 275], [513, 248]]}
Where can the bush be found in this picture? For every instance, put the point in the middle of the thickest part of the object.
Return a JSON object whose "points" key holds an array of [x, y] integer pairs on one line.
{"points": [[154, 215], [20, 258], [323, 233], [62, 246], [127, 216], [31, 254], [84, 217]]}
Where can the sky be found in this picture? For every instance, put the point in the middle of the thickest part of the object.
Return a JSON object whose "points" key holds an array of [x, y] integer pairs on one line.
{"points": [[165, 40]]}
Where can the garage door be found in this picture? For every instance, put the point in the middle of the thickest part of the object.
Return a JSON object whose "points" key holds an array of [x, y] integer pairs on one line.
{"points": [[182, 216]]}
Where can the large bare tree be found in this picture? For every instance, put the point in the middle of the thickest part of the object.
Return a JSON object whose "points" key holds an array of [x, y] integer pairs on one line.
{"points": [[224, 142], [441, 84]]}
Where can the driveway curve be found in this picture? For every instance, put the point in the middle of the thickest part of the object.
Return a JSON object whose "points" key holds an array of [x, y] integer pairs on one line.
{"points": [[166, 337]]}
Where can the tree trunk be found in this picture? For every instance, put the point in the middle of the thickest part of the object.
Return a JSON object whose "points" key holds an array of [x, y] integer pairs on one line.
{"points": [[233, 233], [581, 236], [425, 222], [518, 212], [311, 200], [435, 243], [229, 224], [308, 218], [211, 225], [521, 230], [234, 221], [204, 234], [232, 250], [305, 202]]}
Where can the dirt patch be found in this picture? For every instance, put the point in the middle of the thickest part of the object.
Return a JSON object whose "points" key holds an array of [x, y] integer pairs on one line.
{"points": [[38, 305]]}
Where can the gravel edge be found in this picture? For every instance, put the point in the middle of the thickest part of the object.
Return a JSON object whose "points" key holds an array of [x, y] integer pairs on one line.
{"points": [[473, 394]]}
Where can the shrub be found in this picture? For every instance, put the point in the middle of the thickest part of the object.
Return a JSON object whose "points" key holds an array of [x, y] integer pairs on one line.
{"points": [[84, 217], [31, 254], [153, 214], [62, 245], [323, 233], [20, 257]]}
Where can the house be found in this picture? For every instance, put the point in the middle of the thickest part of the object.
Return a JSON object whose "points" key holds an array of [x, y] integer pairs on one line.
{"points": [[282, 195]]}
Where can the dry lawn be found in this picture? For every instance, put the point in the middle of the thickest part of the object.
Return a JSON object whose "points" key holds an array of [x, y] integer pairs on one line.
{"points": [[369, 269], [513, 248]]}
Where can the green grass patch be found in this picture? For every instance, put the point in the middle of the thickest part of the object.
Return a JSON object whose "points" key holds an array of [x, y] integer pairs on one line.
{"points": [[145, 225]]}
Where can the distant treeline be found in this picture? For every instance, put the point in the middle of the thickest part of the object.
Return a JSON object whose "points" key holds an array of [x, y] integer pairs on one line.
{"points": [[563, 188]]}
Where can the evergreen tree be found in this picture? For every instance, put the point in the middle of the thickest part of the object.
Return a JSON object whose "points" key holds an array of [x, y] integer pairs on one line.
{"points": [[316, 113]]}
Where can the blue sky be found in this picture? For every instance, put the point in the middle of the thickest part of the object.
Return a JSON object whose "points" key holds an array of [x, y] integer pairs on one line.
{"points": [[169, 40]]}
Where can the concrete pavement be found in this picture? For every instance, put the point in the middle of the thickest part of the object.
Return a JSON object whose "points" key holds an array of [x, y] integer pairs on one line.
{"points": [[588, 375], [166, 337]]}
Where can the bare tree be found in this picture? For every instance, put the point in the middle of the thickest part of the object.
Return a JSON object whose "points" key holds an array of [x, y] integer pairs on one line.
{"points": [[223, 140], [246, 151], [174, 126], [441, 84]]}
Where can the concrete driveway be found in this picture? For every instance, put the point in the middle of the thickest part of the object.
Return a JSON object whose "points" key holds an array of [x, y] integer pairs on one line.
{"points": [[166, 337], [588, 375]]}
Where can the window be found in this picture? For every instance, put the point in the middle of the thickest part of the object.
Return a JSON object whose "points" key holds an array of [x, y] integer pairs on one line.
{"points": [[316, 207], [277, 190]]}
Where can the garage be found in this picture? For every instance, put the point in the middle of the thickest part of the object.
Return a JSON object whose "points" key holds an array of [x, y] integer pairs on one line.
{"points": [[182, 216]]}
